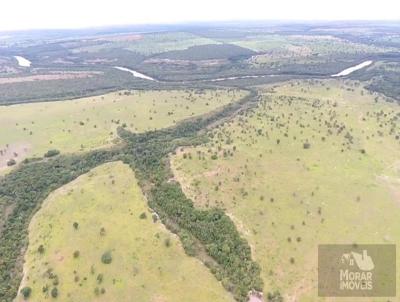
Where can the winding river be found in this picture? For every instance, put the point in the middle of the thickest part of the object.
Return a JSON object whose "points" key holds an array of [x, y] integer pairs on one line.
{"points": [[349, 70], [22, 61], [135, 73]]}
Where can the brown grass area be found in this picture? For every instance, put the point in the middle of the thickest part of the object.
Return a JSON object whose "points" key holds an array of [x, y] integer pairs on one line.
{"points": [[16, 151], [121, 38], [214, 62], [49, 77]]}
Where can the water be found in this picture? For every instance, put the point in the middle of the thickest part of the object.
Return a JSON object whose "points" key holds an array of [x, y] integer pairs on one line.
{"points": [[22, 61], [352, 69], [135, 73]]}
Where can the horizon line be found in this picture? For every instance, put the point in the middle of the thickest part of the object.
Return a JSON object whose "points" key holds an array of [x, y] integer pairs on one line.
{"points": [[198, 22]]}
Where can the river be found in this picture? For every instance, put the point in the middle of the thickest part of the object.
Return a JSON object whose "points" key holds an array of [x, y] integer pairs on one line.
{"points": [[135, 73], [22, 61], [349, 70]]}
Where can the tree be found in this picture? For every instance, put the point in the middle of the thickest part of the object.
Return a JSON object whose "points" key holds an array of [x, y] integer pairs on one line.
{"points": [[26, 292], [106, 258], [54, 292], [41, 249]]}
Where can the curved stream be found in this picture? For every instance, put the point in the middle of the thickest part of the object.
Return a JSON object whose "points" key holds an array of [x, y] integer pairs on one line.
{"points": [[343, 73], [135, 73], [23, 62], [349, 70]]}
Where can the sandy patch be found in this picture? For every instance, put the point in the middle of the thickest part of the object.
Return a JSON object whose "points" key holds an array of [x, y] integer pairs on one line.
{"points": [[17, 151], [256, 297], [49, 77], [99, 61], [393, 184], [121, 38], [203, 63]]}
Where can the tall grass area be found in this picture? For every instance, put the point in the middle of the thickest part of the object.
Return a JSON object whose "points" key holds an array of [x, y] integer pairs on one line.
{"points": [[316, 162]]}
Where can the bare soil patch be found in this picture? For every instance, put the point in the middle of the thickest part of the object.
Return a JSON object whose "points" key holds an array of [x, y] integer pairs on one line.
{"points": [[200, 63], [49, 77], [17, 151], [121, 38]]}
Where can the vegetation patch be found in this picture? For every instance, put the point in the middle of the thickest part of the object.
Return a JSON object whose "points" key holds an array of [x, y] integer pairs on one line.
{"points": [[301, 170], [118, 259], [89, 123], [213, 239], [208, 52]]}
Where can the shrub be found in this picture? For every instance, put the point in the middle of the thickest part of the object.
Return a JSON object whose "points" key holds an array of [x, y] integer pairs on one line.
{"points": [[306, 145], [99, 278], [102, 231], [54, 292], [75, 225], [26, 292], [143, 216], [106, 258], [41, 249], [51, 153], [76, 254], [275, 297], [11, 162]]}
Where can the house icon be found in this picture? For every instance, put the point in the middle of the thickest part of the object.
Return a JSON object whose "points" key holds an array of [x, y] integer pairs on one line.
{"points": [[363, 261]]}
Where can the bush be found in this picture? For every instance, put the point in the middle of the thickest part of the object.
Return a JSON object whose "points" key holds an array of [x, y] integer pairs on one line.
{"points": [[76, 254], [26, 292], [143, 216], [51, 153], [106, 258], [102, 231], [275, 297], [99, 278], [306, 145], [11, 162], [54, 292], [41, 249]]}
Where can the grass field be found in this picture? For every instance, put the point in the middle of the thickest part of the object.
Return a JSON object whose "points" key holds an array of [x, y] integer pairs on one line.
{"points": [[305, 45], [317, 162], [154, 43], [105, 211], [88, 123]]}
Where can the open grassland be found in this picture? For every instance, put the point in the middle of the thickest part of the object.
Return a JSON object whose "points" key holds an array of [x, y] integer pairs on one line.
{"points": [[88, 123], [316, 162], [104, 213], [304, 44], [154, 43]]}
